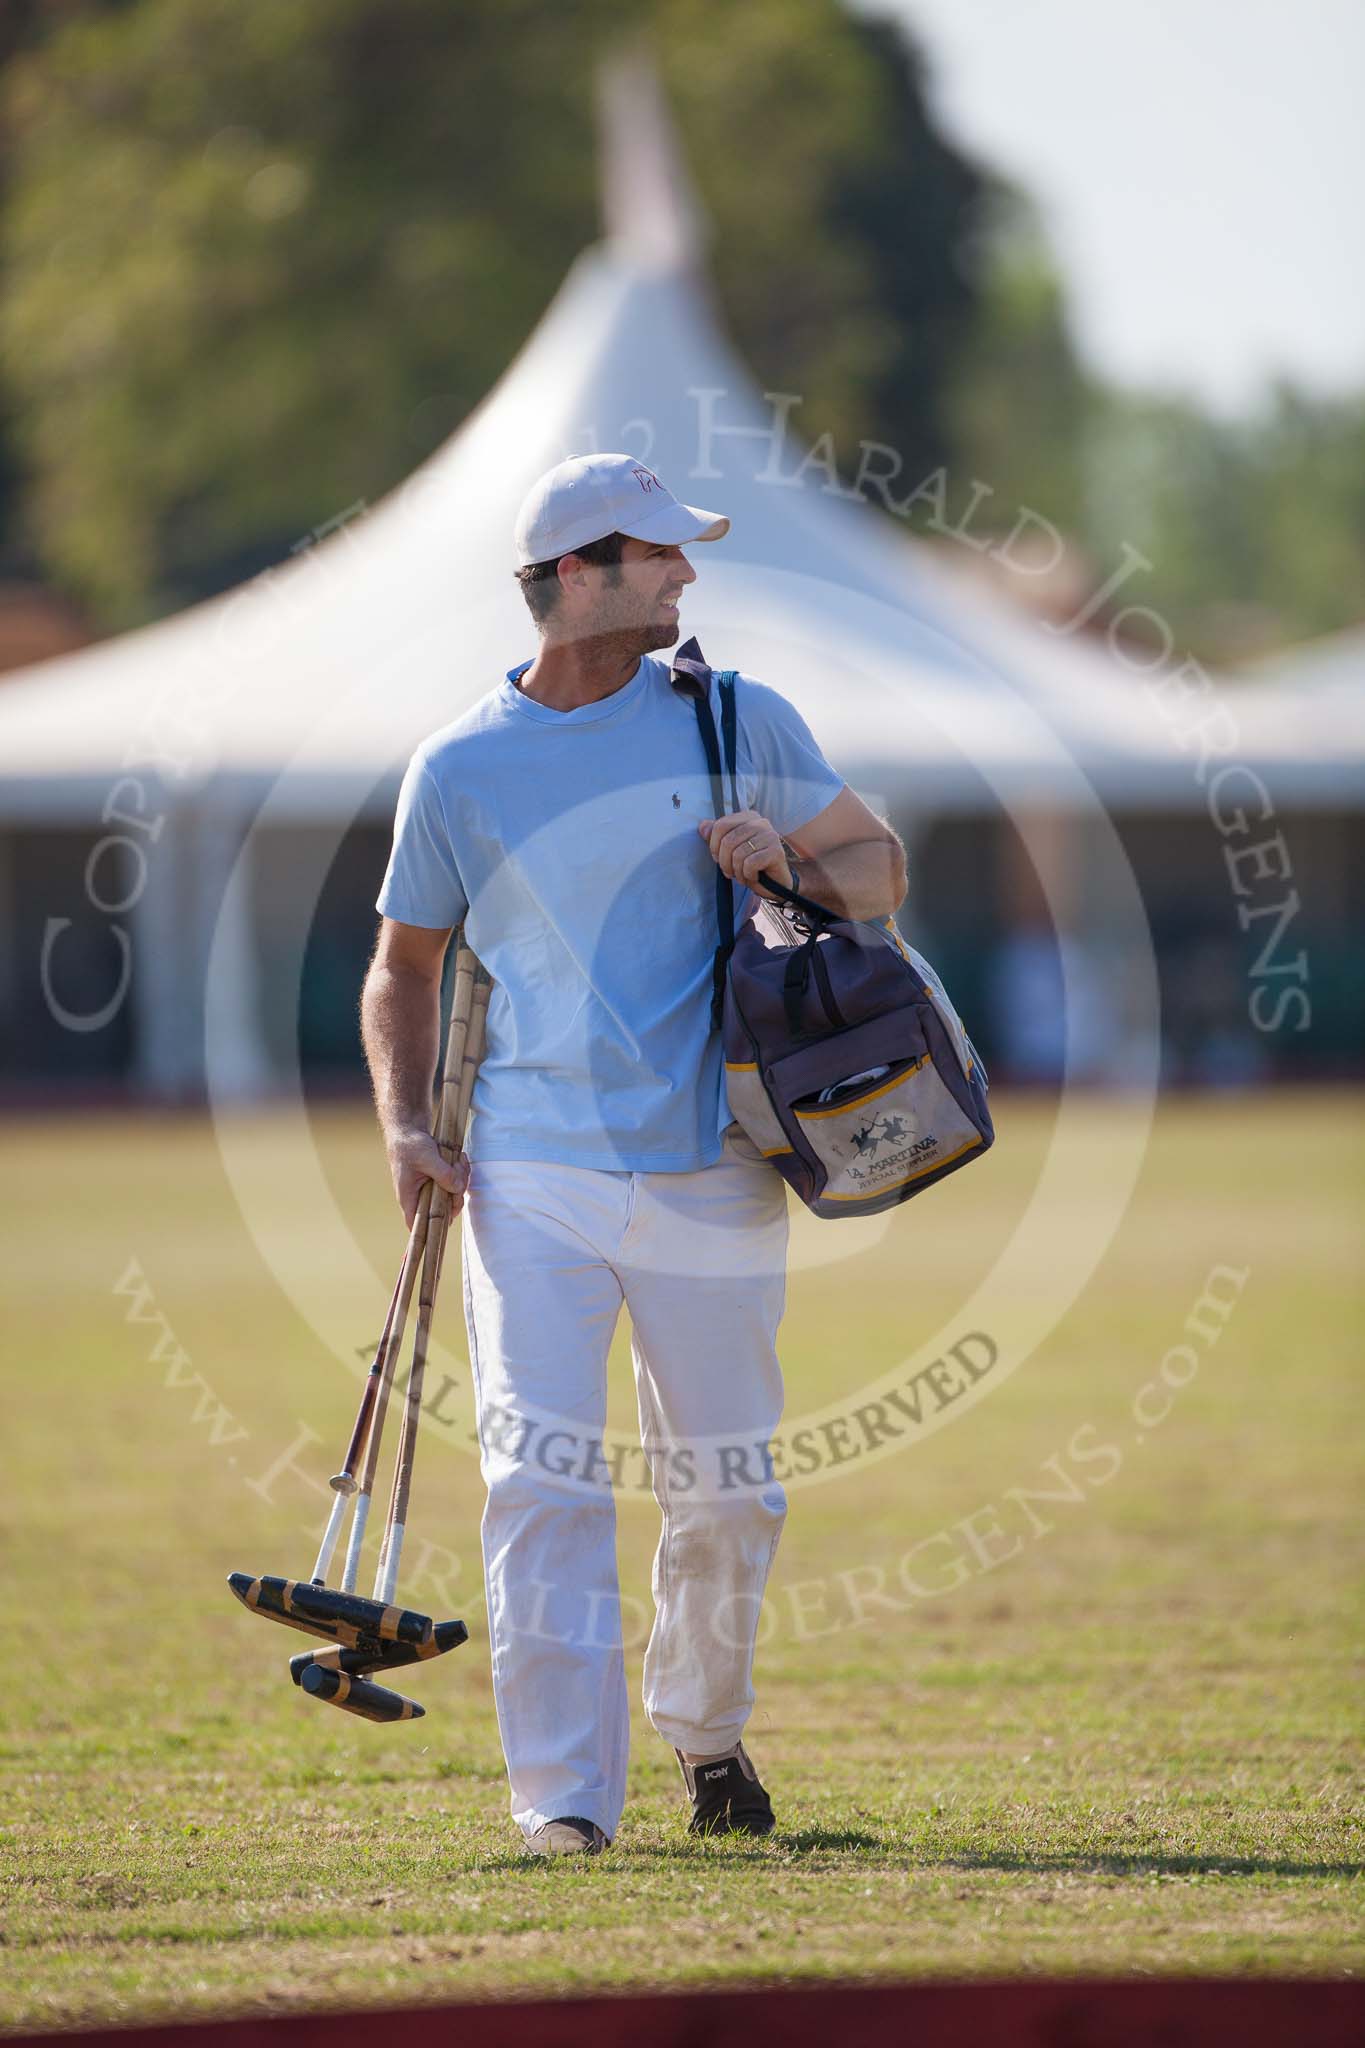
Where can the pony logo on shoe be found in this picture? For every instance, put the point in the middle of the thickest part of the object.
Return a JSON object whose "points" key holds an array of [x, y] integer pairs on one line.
{"points": [[726, 1795]]}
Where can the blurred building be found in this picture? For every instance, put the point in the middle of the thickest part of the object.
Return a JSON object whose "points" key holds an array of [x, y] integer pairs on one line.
{"points": [[36, 624], [194, 817]]}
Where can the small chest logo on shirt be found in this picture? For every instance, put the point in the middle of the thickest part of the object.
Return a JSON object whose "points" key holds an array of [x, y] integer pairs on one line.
{"points": [[677, 801]]}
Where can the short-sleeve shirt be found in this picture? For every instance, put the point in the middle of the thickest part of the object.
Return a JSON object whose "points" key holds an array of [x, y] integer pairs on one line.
{"points": [[566, 843]]}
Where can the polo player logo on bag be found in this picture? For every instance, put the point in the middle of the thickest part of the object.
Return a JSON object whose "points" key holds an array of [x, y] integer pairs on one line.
{"points": [[889, 1131], [885, 1171], [846, 1064]]}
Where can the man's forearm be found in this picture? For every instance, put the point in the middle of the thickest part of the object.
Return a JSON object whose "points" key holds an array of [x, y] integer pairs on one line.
{"points": [[863, 879], [400, 1019]]}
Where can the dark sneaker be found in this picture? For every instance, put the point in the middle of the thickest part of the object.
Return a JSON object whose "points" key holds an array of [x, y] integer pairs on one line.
{"points": [[569, 1837], [726, 1796]]}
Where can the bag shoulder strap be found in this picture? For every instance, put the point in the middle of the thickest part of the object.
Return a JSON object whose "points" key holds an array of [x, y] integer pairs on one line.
{"points": [[729, 721], [692, 677], [729, 728]]}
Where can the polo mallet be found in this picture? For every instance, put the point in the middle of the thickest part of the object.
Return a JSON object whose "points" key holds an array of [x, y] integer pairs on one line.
{"points": [[376, 1634]]}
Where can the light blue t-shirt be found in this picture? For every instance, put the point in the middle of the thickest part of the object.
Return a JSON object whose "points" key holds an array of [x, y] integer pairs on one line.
{"points": [[566, 842]]}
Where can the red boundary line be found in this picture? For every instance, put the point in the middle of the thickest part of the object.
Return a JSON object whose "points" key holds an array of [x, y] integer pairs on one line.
{"points": [[1144, 2013]]}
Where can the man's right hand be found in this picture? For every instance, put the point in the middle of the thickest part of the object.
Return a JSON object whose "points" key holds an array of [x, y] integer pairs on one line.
{"points": [[414, 1159]]}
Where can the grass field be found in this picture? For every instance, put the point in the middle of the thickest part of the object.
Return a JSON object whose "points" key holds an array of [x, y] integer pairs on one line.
{"points": [[1132, 1744]]}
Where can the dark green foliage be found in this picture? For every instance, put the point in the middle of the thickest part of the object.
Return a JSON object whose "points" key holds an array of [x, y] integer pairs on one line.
{"points": [[1019, 406], [261, 259], [844, 224], [1255, 527]]}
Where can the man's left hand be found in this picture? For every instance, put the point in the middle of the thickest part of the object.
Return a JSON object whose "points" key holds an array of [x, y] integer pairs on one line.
{"points": [[744, 845]]}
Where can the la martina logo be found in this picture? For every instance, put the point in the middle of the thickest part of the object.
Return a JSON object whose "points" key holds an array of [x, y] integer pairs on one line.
{"points": [[872, 1167], [883, 1147]]}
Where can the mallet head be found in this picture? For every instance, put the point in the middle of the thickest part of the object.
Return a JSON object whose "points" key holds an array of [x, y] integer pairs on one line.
{"points": [[346, 1618], [358, 1696], [376, 1656]]}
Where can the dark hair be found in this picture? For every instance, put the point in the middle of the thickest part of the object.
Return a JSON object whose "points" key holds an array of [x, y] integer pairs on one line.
{"points": [[540, 580]]}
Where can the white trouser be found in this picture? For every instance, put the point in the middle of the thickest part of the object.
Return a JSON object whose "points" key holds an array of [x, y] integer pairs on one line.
{"points": [[550, 1253]]}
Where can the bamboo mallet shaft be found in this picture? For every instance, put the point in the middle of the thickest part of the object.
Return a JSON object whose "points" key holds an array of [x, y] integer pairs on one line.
{"points": [[369, 1427], [464, 1047]]}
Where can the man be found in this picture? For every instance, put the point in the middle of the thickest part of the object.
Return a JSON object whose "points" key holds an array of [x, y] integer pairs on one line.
{"points": [[566, 822]]}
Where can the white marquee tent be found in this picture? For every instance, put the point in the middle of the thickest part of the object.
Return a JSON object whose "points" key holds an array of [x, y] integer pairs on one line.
{"points": [[299, 697]]}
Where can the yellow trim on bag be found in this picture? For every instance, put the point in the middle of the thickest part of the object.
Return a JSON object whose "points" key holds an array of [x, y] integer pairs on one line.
{"points": [[778, 1151], [857, 1101], [874, 1195], [970, 1061], [900, 942], [741, 1066]]}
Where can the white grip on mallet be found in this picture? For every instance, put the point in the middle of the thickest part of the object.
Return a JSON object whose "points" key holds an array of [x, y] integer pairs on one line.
{"points": [[330, 1535]]}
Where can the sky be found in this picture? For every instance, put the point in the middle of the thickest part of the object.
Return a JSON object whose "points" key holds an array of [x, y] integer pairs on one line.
{"points": [[1200, 166]]}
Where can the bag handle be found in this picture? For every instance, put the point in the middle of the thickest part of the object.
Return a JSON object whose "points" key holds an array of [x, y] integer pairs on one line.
{"points": [[813, 912]]}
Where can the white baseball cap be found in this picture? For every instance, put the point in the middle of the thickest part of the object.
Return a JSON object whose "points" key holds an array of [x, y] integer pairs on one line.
{"points": [[590, 496]]}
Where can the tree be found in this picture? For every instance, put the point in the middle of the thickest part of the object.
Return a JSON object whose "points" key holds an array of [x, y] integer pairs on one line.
{"points": [[260, 259], [1018, 402], [1255, 527]]}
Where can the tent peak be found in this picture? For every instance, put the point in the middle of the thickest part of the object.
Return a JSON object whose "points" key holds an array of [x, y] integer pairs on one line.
{"points": [[650, 211]]}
